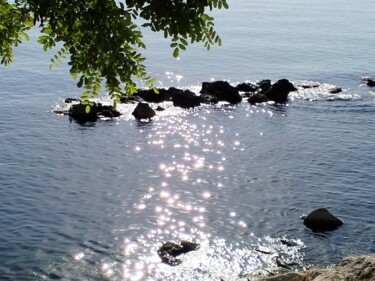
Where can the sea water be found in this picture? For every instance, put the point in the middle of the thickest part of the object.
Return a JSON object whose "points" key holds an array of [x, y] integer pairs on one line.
{"points": [[96, 201]]}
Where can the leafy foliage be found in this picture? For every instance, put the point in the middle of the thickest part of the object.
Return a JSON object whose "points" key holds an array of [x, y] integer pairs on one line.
{"points": [[101, 38]]}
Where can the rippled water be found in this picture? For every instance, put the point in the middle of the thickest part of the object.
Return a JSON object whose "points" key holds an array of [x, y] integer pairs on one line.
{"points": [[95, 202]]}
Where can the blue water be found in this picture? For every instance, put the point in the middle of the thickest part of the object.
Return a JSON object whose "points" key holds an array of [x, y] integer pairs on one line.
{"points": [[95, 202]]}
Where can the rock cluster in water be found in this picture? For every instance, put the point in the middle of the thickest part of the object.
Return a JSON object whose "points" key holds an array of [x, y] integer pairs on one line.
{"points": [[210, 93], [214, 92]]}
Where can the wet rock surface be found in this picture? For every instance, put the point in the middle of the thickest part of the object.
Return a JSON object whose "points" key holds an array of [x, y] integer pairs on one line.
{"points": [[169, 251]]}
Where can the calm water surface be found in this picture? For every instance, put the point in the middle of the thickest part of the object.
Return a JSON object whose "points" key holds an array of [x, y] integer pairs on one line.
{"points": [[95, 202]]}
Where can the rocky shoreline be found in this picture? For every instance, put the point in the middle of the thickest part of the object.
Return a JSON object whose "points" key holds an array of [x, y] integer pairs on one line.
{"points": [[358, 268]]}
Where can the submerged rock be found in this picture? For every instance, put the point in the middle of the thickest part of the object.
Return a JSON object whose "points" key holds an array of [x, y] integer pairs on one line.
{"points": [[335, 90], [361, 268], [143, 111], [257, 98], [169, 251], [322, 220], [222, 90]]}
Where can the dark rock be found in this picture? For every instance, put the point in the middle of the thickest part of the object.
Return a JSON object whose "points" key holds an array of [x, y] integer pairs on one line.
{"points": [[151, 96], [208, 99], [247, 87], [369, 82], [257, 98], [279, 91], [264, 84], [222, 90], [186, 99], [169, 251], [130, 99], [78, 112], [322, 220], [107, 111], [159, 108], [335, 90], [310, 86], [143, 111], [70, 100]]}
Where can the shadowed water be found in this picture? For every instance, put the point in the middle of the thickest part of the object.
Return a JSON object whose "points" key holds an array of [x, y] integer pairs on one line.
{"points": [[95, 202]]}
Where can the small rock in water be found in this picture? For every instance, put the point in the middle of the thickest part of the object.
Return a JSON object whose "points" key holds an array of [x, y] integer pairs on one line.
{"points": [[70, 100], [369, 82], [143, 111], [322, 220], [169, 251], [335, 90]]}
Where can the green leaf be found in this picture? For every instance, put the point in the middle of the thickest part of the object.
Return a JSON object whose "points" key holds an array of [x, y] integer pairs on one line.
{"points": [[87, 109], [183, 41], [176, 52]]}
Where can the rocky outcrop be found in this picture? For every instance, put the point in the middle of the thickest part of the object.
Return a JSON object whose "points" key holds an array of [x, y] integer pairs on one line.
{"points": [[322, 220], [186, 99], [278, 92], [81, 113], [143, 111], [151, 96], [247, 87], [107, 111], [361, 268], [222, 90]]}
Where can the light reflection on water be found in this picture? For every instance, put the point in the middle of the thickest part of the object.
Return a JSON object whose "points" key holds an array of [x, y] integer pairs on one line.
{"points": [[179, 203], [233, 178]]}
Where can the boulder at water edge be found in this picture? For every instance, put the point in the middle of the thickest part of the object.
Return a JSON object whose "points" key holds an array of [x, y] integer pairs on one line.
{"points": [[222, 90], [322, 220], [143, 111], [361, 268]]}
